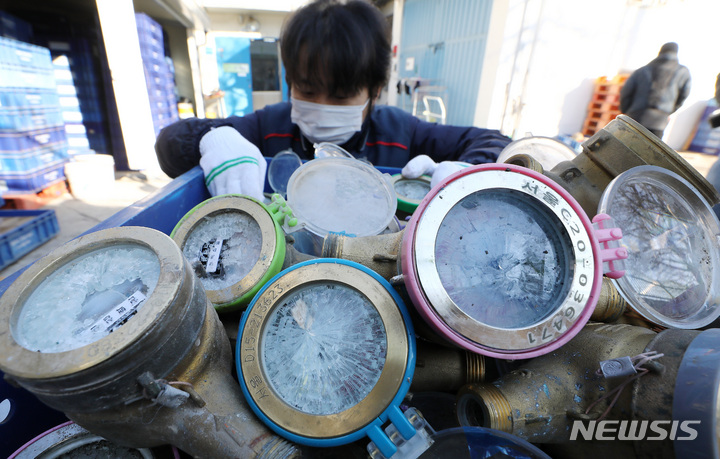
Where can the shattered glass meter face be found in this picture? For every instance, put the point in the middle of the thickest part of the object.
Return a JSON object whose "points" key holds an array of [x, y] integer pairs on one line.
{"points": [[325, 354], [234, 244], [502, 261], [671, 235], [87, 298]]}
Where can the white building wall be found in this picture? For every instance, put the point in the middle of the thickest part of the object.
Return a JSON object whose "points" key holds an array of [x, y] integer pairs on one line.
{"points": [[553, 50]]}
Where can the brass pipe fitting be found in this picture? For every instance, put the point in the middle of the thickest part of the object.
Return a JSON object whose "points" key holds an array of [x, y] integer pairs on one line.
{"points": [[484, 405], [163, 376], [525, 160], [379, 253], [545, 394], [610, 305], [540, 401], [621, 145], [447, 369]]}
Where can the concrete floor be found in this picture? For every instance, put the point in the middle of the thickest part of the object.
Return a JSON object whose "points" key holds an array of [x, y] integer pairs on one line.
{"points": [[76, 216]]}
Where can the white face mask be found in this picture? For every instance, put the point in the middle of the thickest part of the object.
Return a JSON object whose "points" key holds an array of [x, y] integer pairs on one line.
{"points": [[327, 123]]}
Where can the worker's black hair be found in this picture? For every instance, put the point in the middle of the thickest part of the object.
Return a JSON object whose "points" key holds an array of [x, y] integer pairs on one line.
{"points": [[336, 46]]}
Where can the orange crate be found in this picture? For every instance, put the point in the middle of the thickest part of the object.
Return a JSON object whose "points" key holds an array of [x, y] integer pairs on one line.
{"points": [[33, 201]]}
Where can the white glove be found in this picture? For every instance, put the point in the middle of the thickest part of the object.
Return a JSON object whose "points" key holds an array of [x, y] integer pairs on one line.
{"points": [[231, 164], [424, 165]]}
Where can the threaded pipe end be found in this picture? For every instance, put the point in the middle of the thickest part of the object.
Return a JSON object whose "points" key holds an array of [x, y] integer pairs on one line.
{"points": [[484, 405], [332, 246], [611, 305], [277, 448], [474, 367]]}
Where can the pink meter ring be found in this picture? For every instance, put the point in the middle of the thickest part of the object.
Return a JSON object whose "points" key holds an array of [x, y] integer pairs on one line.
{"points": [[502, 261]]}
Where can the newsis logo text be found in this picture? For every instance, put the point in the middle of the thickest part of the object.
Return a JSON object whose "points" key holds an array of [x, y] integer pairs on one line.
{"points": [[634, 430]]}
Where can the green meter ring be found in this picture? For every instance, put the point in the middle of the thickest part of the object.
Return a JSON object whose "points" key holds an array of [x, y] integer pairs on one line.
{"points": [[234, 244]]}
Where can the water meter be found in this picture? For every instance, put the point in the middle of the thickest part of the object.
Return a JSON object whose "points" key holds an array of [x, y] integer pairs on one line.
{"points": [[114, 329], [326, 353], [234, 244], [503, 261], [410, 191]]}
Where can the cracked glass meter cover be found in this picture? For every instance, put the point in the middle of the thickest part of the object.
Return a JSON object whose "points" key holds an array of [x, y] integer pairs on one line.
{"points": [[87, 298], [502, 261], [671, 235], [325, 354]]}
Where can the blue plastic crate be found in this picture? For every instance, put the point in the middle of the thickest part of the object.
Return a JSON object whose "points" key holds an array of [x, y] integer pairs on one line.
{"points": [[27, 236], [35, 181], [15, 28], [20, 54], [147, 27], [20, 142], [30, 118], [16, 99]]}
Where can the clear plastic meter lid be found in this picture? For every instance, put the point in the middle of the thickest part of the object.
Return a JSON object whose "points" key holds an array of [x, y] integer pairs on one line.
{"points": [[281, 168], [547, 151], [87, 298], [502, 261], [671, 235], [341, 195], [326, 351]]}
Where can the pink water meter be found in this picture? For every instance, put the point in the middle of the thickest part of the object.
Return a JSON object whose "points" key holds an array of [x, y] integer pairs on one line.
{"points": [[502, 261]]}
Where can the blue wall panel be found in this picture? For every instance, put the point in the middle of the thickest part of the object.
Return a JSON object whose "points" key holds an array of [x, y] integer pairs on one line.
{"points": [[447, 40]]}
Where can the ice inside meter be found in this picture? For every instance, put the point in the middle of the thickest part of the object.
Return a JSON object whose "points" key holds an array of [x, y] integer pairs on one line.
{"points": [[87, 298], [341, 195], [671, 235], [502, 261], [233, 243], [410, 191], [325, 354]]}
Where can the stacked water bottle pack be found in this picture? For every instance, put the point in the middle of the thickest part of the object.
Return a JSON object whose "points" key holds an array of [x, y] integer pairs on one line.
{"points": [[33, 143], [159, 73], [80, 92], [75, 130]]}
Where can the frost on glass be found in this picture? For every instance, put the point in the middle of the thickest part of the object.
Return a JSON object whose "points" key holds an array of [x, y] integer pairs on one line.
{"points": [[323, 348], [669, 264], [412, 189], [503, 258], [338, 198], [87, 298], [238, 238]]}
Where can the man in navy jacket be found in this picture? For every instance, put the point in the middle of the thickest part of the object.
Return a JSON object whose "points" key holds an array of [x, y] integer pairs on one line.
{"points": [[334, 83], [655, 91]]}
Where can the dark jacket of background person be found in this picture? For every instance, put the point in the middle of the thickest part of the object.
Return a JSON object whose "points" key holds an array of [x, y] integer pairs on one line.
{"points": [[656, 90], [389, 137]]}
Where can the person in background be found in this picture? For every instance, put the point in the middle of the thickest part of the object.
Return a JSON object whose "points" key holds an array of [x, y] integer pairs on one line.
{"points": [[655, 91], [337, 57]]}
